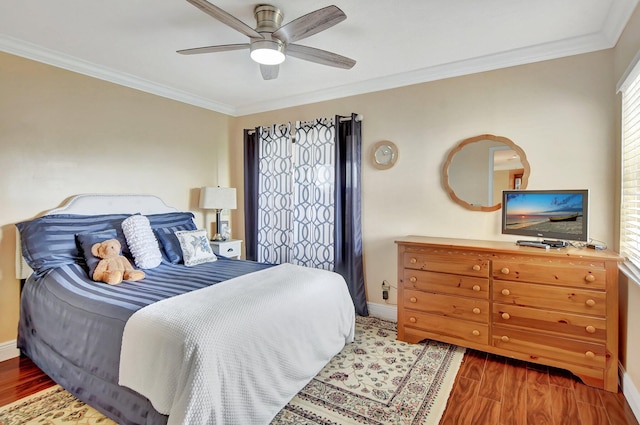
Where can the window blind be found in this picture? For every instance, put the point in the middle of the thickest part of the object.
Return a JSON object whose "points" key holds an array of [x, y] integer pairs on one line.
{"points": [[630, 196]]}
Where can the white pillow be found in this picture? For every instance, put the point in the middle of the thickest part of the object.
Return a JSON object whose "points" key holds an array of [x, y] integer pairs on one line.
{"points": [[195, 247], [142, 242]]}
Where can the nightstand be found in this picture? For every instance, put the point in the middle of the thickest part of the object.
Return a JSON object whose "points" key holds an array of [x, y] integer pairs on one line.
{"points": [[231, 248]]}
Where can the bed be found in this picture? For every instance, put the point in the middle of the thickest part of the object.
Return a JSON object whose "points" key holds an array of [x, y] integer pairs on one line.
{"points": [[222, 342]]}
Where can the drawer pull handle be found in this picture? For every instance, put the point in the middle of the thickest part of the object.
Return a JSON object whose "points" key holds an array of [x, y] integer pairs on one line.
{"points": [[476, 310], [413, 260], [590, 302], [475, 332], [590, 355], [476, 268], [413, 319], [590, 278], [476, 288], [413, 279], [505, 292], [506, 316], [413, 299], [505, 270], [504, 338], [591, 329]]}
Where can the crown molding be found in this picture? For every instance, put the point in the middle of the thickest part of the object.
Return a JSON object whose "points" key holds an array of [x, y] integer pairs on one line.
{"points": [[537, 53], [605, 39], [617, 19], [70, 63]]}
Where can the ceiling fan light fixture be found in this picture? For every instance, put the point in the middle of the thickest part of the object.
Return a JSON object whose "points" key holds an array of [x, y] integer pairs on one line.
{"points": [[267, 52]]}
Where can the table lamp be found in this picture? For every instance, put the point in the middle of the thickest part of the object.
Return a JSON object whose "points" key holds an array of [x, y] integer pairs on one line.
{"points": [[218, 198]]}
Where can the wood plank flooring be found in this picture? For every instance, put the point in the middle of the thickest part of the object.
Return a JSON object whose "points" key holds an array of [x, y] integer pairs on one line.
{"points": [[493, 390], [489, 390], [19, 377]]}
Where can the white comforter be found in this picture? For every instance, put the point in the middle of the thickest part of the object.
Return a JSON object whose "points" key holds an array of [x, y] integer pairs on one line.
{"points": [[238, 351]]}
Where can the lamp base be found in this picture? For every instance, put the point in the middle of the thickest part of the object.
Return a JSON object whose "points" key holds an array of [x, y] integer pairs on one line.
{"points": [[218, 237]]}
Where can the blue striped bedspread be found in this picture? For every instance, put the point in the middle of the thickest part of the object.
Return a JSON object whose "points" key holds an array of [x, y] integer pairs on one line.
{"points": [[83, 321]]}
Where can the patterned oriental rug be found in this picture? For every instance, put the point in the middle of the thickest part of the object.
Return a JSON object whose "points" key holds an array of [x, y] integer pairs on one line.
{"points": [[375, 380]]}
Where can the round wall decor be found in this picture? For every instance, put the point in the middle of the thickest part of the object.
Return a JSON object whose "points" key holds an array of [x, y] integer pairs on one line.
{"points": [[384, 154]]}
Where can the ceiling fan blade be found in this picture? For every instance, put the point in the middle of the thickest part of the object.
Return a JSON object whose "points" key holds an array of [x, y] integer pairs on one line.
{"points": [[269, 72], [214, 49], [309, 24], [323, 57], [225, 17]]}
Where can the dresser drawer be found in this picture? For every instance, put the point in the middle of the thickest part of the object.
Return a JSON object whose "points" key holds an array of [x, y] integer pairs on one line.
{"points": [[447, 305], [446, 326], [468, 266], [560, 323], [565, 274], [477, 287], [544, 346], [550, 297]]}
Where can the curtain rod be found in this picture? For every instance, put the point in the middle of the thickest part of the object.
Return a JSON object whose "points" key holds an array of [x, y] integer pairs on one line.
{"points": [[359, 118]]}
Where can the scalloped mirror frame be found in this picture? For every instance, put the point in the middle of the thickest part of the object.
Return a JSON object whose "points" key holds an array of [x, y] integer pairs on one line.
{"points": [[459, 147]]}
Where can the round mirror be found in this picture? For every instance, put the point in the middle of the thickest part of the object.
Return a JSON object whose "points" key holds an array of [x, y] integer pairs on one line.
{"points": [[478, 169]]}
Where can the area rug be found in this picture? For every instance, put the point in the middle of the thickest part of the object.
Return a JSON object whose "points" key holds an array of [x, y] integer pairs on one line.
{"points": [[375, 380]]}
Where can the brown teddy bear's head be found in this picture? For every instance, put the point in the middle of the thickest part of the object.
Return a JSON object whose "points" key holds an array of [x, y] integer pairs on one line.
{"points": [[106, 249]]}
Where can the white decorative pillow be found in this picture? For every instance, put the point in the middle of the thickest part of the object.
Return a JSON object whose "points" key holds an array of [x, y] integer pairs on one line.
{"points": [[142, 242], [195, 247]]}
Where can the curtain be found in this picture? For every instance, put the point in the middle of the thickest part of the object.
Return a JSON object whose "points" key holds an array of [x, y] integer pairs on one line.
{"points": [[275, 195], [251, 155], [348, 206], [313, 190], [305, 205]]}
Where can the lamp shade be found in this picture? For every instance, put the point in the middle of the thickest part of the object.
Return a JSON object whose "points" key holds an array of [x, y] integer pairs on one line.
{"points": [[218, 198]]}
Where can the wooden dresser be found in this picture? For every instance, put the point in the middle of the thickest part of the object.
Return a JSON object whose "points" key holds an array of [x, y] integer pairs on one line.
{"points": [[557, 307]]}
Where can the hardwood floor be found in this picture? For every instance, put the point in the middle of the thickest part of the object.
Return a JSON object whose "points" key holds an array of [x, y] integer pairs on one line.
{"points": [[493, 390], [19, 377], [489, 390]]}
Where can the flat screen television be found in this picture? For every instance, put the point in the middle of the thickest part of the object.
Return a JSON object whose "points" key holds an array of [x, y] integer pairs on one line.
{"points": [[549, 214]]}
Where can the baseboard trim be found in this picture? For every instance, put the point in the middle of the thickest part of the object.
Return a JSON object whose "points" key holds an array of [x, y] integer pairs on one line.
{"points": [[383, 311], [630, 391], [8, 350]]}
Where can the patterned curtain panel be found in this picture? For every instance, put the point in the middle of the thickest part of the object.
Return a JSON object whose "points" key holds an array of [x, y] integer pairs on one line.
{"points": [[314, 194], [302, 197], [275, 195]]}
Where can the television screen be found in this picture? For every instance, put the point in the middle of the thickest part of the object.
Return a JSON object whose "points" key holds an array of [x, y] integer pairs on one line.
{"points": [[552, 214]]}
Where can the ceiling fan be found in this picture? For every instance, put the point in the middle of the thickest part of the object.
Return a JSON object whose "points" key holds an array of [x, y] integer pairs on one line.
{"points": [[270, 42]]}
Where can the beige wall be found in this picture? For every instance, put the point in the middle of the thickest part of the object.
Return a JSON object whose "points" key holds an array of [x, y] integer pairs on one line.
{"points": [[560, 112], [628, 46], [62, 134]]}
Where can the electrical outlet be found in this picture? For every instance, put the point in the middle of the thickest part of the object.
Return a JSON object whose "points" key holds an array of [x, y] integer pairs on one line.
{"points": [[385, 290]]}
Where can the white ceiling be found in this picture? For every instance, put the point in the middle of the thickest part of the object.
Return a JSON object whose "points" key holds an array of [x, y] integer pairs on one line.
{"points": [[134, 43]]}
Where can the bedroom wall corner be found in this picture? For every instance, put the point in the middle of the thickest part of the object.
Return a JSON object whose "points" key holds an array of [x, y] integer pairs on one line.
{"points": [[65, 134]]}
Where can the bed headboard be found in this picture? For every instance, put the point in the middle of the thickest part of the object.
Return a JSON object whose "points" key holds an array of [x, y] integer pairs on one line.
{"points": [[94, 204]]}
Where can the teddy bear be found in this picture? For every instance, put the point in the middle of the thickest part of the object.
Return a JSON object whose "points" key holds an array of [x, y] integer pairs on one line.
{"points": [[113, 268]]}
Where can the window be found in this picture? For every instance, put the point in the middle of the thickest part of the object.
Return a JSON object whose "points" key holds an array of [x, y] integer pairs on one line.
{"points": [[630, 196]]}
